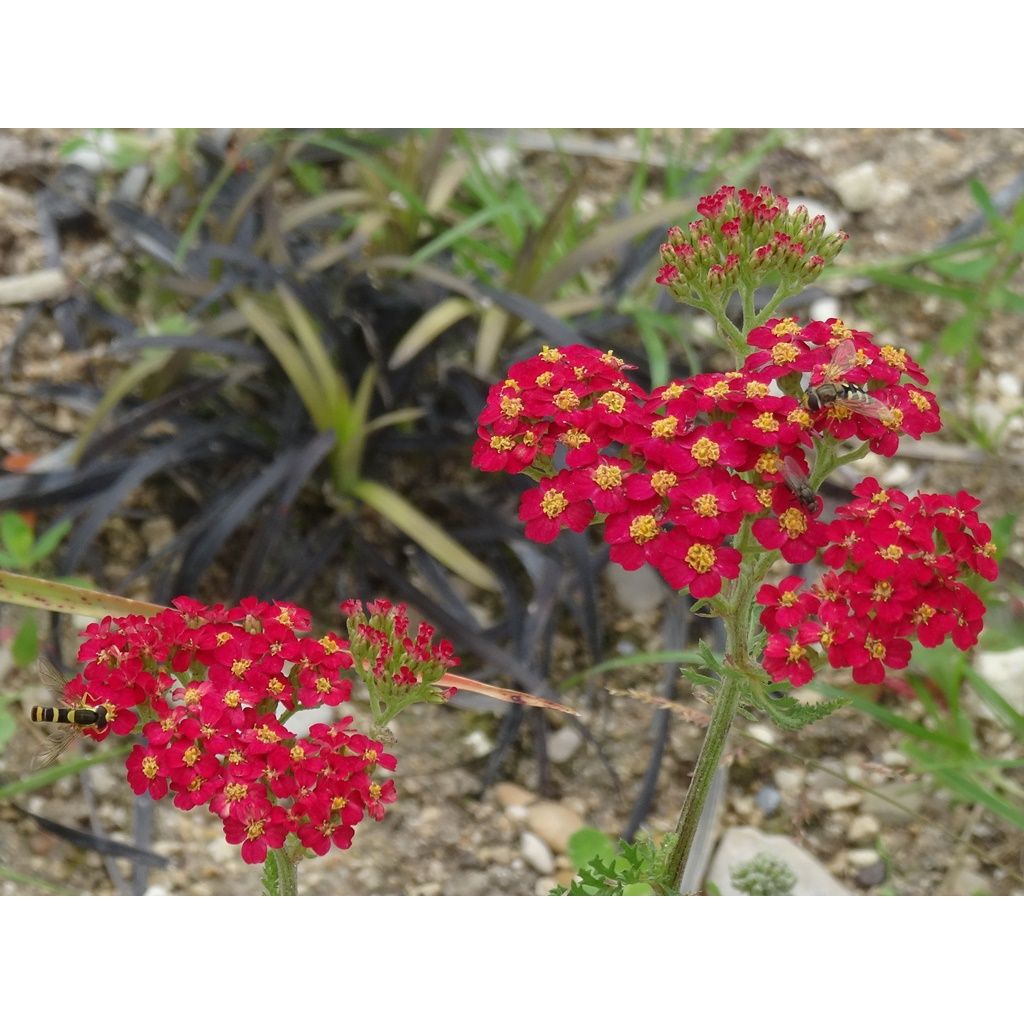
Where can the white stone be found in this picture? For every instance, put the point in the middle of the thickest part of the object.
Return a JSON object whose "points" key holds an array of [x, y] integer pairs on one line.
{"points": [[639, 592], [863, 829], [862, 858], [790, 781], [859, 187], [762, 733], [478, 743], [563, 744], [554, 823], [825, 308], [741, 845], [894, 759], [1008, 384], [988, 416], [536, 853], [841, 799], [1004, 671]]}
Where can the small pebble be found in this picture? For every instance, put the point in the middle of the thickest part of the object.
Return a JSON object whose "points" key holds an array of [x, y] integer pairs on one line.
{"points": [[841, 799], [768, 799], [862, 858], [863, 829], [563, 744], [554, 823], [478, 743], [1008, 384], [508, 794], [858, 187], [536, 853], [871, 874]]}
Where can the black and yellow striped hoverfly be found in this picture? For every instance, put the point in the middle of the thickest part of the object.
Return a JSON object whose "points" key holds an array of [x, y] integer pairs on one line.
{"points": [[76, 718]]}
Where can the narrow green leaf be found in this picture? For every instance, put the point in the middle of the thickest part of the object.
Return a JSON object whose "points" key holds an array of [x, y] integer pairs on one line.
{"points": [[309, 176], [1000, 707], [494, 323], [445, 184], [985, 204], [434, 322], [394, 418], [16, 536], [973, 270], [464, 227], [147, 363], [425, 532], [918, 285], [629, 661], [287, 353], [32, 592], [960, 335], [7, 725], [195, 222], [47, 542], [972, 792], [332, 383], [25, 646]]}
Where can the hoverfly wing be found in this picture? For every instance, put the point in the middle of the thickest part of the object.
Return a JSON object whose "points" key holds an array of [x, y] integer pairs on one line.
{"points": [[793, 473], [58, 742], [844, 358], [797, 481], [861, 403], [52, 678]]}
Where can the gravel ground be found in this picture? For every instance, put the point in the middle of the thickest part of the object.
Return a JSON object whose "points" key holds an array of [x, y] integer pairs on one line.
{"points": [[895, 192]]}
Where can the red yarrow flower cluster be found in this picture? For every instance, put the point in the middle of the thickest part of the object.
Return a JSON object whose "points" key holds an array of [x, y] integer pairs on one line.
{"points": [[215, 687], [897, 567], [748, 235], [675, 473], [881, 406]]}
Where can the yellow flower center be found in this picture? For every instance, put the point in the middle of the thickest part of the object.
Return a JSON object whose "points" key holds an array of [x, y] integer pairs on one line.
{"points": [[706, 452], [607, 477], [794, 522], [700, 557], [643, 529], [785, 328], [784, 353], [706, 505], [567, 400], [613, 401], [554, 503], [663, 480], [665, 427]]}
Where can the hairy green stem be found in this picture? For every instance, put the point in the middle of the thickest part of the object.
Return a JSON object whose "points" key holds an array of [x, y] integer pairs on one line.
{"points": [[727, 698], [286, 875]]}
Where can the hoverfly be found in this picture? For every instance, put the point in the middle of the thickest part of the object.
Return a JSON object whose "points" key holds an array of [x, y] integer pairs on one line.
{"points": [[796, 481], [81, 716], [834, 391]]}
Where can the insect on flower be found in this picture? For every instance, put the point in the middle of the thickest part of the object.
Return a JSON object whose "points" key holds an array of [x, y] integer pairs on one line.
{"points": [[840, 394], [796, 480], [81, 716]]}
